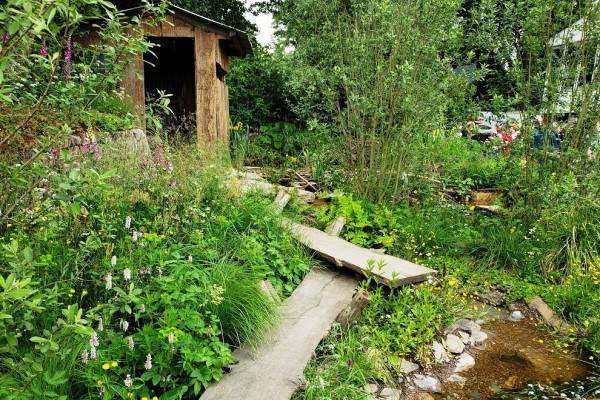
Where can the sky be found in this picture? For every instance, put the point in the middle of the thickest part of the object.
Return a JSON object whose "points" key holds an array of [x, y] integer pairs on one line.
{"points": [[264, 22]]}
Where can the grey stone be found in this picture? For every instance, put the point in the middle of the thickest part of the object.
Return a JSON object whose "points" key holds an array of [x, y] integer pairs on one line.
{"points": [[516, 315], [478, 337], [465, 337], [467, 325], [464, 362], [454, 344], [136, 142], [427, 383], [371, 388], [457, 380], [408, 367], [390, 394], [439, 353]]}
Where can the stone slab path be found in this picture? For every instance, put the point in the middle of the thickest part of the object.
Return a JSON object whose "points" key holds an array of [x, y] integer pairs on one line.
{"points": [[275, 370], [386, 269]]}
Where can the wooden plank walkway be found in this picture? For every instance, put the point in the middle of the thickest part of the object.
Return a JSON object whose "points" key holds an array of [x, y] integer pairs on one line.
{"points": [[386, 269], [275, 370]]}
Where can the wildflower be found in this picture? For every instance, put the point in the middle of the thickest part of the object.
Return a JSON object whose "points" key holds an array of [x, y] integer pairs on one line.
{"points": [[43, 52], [84, 292], [93, 354], [148, 363], [142, 308], [349, 362], [94, 340], [114, 364], [135, 236], [71, 291], [85, 356], [100, 382], [190, 258], [125, 326], [106, 366], [68, 54], [145, 271], [101, 390], [130, 343], [100, 324], [6, 37], [127, 274], [128, 381], [154, 398], [144, 398], [171, 338], [113, 261], [108, 279], [128, 222]]}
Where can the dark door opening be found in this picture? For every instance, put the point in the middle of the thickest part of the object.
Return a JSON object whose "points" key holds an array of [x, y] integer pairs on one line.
{"points": [[172, 69]]}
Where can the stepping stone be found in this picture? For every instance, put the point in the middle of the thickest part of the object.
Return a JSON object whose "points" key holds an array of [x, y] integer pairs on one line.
{"points": [[384, 268], [275, 369]]}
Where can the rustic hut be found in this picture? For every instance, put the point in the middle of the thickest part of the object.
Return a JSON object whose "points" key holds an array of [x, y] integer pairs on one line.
{"points": [[190, 63]]}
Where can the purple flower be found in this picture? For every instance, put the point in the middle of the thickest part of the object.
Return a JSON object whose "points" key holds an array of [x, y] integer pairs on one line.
{"points": [[85, 356], [43, 52], [94, 340], [93, 354], [68, 55], [127, 274], [6, 37], [128, 381], [349, 362]]}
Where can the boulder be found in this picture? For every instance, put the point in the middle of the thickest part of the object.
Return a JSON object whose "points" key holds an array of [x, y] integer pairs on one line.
{"points": [[465, 337], [467, 325], [371, 388], [454, 344], [478, 337], [427, 383], [464, 362], [136, 142]]}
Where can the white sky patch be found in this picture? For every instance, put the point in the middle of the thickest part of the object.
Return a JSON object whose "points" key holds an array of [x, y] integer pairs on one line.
{"points": [[264, 23]]}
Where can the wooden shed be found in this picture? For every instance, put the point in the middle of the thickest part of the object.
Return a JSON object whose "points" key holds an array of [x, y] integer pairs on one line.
{"points": [[189, 62]]}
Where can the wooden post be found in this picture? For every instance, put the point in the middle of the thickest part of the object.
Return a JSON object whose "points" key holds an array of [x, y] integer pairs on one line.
{"points": [[206, 86]]}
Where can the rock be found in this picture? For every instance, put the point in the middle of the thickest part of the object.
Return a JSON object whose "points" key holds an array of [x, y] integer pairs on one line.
{"points": [[439, 353], [454, 344], [408, 367], [511, 382], [423, 396], [427, 383], [464, 362], [390, 394], [136, 142], [371, 388], [467, 325], [516, 315], [457, 380], [478, 337], [465, 337], [493, 297]]}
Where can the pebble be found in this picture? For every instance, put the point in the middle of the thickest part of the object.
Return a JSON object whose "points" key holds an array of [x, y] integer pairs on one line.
{"points": [[478, 337], [390, 394], [454, 344], [427, 383], [457, 380], [408, 367], [464, 336], [439, 353], [464, 362], [516, 315]]}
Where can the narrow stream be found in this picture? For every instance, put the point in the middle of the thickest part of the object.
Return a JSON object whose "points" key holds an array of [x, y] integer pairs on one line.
{"points": [[520, 361]]}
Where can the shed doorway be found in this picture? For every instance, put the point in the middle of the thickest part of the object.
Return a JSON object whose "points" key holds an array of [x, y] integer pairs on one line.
{"points": [[170, 67]]}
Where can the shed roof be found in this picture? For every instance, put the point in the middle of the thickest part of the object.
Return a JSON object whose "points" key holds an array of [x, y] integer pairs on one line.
{"points": [[238, 43]]}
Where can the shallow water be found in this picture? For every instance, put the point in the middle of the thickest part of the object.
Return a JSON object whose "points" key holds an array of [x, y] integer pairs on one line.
{"points": [[515, 355]]}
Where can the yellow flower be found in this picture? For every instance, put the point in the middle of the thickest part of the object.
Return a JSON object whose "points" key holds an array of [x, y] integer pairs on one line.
{"points": [[71, 290], [144, 398], [84, 292], [155, 398], [114, 364], [100, 382], [106, 366]]}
